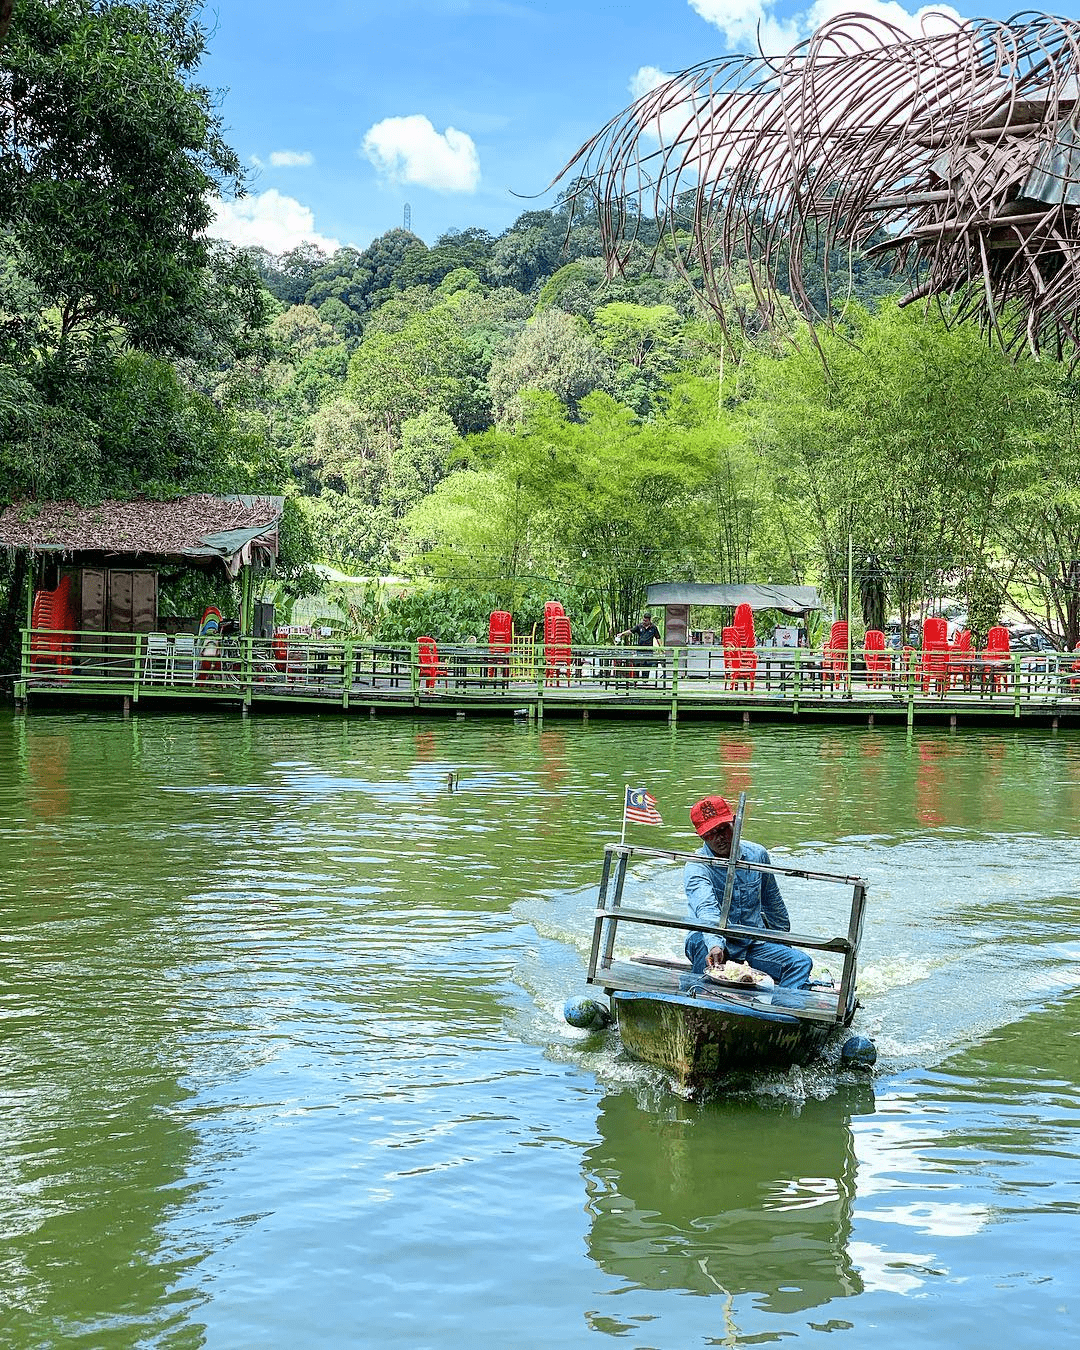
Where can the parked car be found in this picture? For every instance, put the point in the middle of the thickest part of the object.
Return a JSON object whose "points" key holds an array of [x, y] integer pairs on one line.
{"points": [[894, 636], [1027, 639]]}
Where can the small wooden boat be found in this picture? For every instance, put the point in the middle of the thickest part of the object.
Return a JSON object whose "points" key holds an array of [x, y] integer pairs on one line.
{"points": [[698, 1029]]}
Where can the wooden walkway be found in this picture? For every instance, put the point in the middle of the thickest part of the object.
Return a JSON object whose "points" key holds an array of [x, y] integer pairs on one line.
{"points": [[673, 684]]}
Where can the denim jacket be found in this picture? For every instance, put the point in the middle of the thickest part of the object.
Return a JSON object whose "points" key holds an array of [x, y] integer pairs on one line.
{"points": [[756, 901]]}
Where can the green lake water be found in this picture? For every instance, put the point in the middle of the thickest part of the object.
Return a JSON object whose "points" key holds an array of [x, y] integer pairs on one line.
{"points": [[283, 1059]]}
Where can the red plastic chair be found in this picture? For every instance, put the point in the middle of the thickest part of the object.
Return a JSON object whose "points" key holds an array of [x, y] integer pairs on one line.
{"points": [[744, 626], [430, 668], [960, 659], [1074, 672], [878, 665], [500, 630], [934, 658], [834, 657], [558, 656], [996, 658]]}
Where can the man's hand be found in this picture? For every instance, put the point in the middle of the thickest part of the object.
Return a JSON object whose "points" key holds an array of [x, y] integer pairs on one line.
{"points": [[717, 956]]}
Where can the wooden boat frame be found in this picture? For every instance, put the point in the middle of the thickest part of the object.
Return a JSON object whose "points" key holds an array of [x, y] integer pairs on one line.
{"points": [[693, 1028]]}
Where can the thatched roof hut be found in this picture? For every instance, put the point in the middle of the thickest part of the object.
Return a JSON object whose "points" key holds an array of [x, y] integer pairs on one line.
{"points": [[234, 530]]}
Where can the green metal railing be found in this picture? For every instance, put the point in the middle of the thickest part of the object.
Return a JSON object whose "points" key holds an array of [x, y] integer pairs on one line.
{"points": [[302, 667]]}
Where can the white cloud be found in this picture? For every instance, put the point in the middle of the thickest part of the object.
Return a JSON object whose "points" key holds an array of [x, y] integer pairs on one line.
{"points": [[927, 21], [645, 80], [410, 150], [291, 159], [664, 118], [745, 22], [268, 220]]}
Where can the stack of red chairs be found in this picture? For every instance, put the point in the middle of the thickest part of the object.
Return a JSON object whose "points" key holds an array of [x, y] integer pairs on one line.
{"points": [[996, 658], [935, 655], [733, 654], [744, 627], [960, 659], [500, 640], [430, 669], [878, 664], [552, 610], [55, 611], [558, 657], [834, 657]]}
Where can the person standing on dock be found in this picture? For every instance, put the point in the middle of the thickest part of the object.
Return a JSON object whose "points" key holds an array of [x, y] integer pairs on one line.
{"points": [[647, 635], [756, 902]]}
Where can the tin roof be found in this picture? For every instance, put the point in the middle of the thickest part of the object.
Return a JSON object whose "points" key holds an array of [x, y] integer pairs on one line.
{"points": [[787, 599]]}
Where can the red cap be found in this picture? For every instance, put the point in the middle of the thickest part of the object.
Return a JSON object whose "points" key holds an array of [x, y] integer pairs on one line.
{"points": [[706, 814]]}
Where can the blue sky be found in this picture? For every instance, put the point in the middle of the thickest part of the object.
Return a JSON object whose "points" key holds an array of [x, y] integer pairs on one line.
{"points": [[345, 110]]}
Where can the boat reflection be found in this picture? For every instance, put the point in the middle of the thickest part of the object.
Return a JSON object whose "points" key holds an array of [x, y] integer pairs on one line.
{"points": [[734, 1197]]}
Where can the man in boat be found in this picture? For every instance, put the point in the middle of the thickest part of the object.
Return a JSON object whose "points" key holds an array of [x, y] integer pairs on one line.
{"points": [[756, 902]]}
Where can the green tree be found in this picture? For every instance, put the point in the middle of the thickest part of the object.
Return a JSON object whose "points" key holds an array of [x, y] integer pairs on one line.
{"points": [[109, 153], [555, 353], [898, 439], [600, 505], [1035, 529], [531, 250], [643, 344]]}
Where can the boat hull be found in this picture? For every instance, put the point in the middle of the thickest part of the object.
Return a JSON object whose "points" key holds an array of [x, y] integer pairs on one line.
{"points": [[697, 1043]]}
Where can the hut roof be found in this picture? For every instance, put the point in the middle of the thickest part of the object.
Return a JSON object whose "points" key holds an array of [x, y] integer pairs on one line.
{"points": [[199, 527]]}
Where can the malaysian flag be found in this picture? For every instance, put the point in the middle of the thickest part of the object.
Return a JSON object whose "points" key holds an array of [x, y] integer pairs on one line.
{"points": [[641, 807]]}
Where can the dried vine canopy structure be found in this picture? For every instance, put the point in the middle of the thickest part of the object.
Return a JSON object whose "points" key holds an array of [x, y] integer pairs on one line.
{"points": [[955, 153]]}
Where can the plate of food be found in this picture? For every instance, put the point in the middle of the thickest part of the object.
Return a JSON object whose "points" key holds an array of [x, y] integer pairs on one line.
{"points": [[739, 975]]}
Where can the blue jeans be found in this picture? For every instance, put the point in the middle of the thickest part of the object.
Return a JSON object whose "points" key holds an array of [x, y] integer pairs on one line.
{"points": [[788, 966]]}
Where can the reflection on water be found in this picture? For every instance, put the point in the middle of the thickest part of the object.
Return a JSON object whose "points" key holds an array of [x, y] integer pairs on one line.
{"points": [[684, 1197]]}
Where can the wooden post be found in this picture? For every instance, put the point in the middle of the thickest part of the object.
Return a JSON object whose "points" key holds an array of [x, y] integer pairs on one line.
{"points": [[911, 690], [247, 669], [348, 666], [796, 682], [245, 601], [136, 674], [541, 667], [673, 715]]}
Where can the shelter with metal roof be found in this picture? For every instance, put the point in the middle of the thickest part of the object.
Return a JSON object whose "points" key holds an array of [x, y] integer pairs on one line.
{"points": [[676, 597]]}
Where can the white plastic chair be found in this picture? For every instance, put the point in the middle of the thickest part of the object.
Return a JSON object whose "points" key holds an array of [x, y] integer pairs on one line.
{"points": [[157, 662], [184, 658]]}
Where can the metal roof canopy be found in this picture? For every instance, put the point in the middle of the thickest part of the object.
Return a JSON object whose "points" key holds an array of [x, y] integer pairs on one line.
{"points": [[787, 599]]}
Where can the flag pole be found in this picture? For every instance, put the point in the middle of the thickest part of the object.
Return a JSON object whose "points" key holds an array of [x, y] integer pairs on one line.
{"points": [[729, 871], [625, 799]]}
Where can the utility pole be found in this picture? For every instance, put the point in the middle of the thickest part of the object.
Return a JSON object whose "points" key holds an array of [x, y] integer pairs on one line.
{"points": [[850, 583]]}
